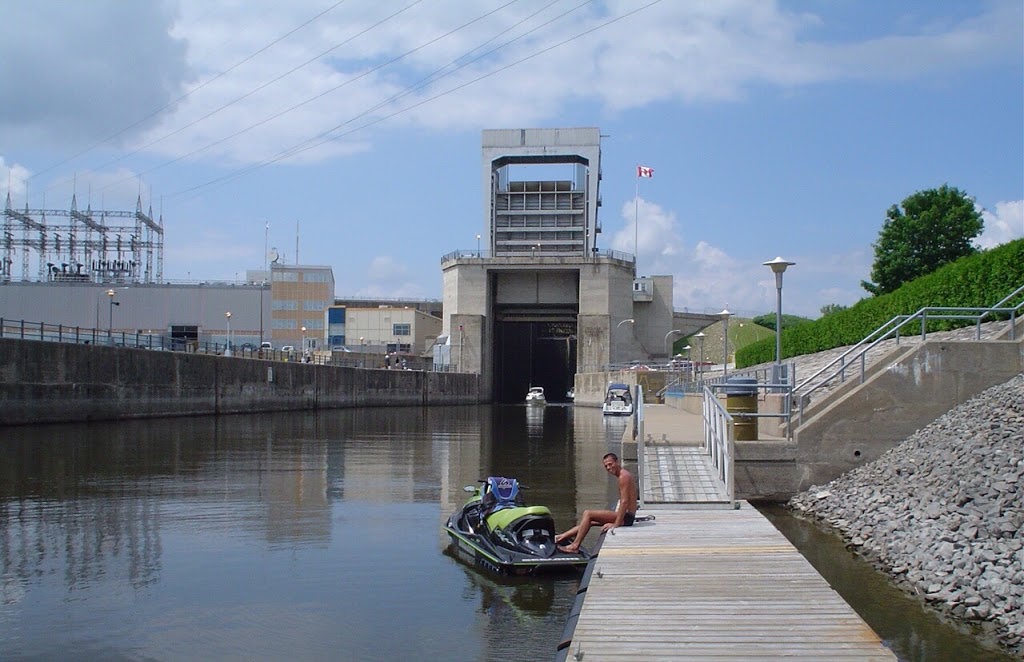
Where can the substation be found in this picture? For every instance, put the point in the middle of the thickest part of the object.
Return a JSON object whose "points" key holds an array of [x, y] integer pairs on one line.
{"points": [[83, 246]]}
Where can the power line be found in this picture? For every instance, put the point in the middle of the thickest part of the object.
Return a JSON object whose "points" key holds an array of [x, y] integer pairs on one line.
{"points": [[324, 137], [183, 96], [322, 94], [245, 96]]}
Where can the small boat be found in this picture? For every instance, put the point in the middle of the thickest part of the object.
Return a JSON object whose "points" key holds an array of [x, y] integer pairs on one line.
{"points": [[570, 395], [535, 396], [618, 401], [496, 531]]}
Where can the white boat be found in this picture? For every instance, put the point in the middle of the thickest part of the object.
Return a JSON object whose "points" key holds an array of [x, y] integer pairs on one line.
{"points": [[618, 401], [570, 395], [535, 396]]}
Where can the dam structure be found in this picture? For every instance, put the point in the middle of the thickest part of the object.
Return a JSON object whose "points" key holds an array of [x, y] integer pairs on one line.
{"points": [[539, 301]]}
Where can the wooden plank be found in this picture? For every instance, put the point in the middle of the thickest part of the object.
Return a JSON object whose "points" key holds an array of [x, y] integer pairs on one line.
{"points": [[713, 585]]}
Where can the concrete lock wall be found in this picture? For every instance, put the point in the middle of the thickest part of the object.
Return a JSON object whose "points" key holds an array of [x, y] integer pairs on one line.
{"points": [[44, 382], [909, 391]]}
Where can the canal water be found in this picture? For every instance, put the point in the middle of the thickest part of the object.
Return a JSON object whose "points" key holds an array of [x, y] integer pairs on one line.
{"points": [[304, 536]]}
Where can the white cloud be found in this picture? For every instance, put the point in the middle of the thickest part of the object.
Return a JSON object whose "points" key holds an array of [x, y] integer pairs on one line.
{"points": [[390, 279], [689, 52], [12, 181], [707, 279], [1004, 224]]}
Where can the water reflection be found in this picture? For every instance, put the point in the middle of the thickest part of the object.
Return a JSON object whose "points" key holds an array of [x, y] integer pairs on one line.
{"points": [[287, 535]]}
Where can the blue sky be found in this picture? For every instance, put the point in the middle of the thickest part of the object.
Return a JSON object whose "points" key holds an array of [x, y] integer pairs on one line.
{"points": [[774, 128]]}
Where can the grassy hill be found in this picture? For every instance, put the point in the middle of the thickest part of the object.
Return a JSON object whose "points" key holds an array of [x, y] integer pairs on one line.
{"points": [[742, 332]]}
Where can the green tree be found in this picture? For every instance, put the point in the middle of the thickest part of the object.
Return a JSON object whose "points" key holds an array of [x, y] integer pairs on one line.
{"points": [[788, 321], [929, 229], [830, 308]]}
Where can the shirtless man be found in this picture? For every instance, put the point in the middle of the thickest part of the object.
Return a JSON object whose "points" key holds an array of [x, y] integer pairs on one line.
{"points": [[623, 515]]}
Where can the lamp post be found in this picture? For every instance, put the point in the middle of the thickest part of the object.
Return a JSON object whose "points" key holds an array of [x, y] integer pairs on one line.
{"points": [[110, 318], [628, 320], [668, 351], [725, 342], [227, 315], [700, 366], [478, 245], [689, 363], [778, 267]]}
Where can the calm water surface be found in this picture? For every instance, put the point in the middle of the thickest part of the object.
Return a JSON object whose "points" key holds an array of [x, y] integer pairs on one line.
{"points": [[305, 536], [285, 536]]}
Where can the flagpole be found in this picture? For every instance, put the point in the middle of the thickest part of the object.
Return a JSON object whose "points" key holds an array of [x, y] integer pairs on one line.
{"points": [[636, 217]]}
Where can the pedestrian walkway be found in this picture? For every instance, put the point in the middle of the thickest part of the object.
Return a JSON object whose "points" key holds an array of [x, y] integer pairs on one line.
{"points": [[675, 468]]}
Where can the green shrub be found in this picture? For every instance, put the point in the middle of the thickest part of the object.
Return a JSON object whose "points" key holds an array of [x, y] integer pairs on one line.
{"points": [[974, 281]]}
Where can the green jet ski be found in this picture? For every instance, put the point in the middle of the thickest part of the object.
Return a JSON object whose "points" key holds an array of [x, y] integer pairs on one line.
{"points": [[495, 530]]}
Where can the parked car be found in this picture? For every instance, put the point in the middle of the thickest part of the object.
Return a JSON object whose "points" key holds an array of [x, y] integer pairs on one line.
{"points": [[288, 349], [266, 345]]}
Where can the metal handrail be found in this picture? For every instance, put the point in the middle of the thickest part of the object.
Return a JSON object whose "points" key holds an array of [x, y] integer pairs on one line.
{"points": [[720, 442], [891, 329], [638, 429]]}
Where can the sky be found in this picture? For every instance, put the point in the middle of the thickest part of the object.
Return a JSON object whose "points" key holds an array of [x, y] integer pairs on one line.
{"points": [[352, 129]]}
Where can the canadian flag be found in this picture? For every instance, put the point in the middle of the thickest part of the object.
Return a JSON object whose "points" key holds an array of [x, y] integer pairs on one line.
{"points": [[644, 171]]}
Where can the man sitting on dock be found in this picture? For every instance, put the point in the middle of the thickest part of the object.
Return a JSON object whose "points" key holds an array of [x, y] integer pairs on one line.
{"points": [[623, 515]]}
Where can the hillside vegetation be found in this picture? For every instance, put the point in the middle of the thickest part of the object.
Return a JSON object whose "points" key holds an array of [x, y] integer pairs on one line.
{"points": [[974, 281], [742, 332]]}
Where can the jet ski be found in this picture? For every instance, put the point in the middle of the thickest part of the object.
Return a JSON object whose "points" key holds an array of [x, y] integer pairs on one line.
{"points": [[496, 531]]}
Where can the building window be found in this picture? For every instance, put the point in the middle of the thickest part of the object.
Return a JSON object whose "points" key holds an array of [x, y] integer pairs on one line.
{"points": [[314, 277], [401, 329], [286, 276], [336, 315], [285, 304], [286, 325], [313, 305], [314, 324]]}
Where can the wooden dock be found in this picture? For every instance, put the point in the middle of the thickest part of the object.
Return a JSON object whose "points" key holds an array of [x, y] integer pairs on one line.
{"points": [[704, 582], [712, 584]]}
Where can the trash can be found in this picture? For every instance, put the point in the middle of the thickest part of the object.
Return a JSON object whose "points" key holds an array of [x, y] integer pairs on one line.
{"points": [[740, 399]]}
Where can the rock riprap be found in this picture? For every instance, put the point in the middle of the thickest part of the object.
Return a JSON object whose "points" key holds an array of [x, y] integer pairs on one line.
{"points": [[943, 512]]}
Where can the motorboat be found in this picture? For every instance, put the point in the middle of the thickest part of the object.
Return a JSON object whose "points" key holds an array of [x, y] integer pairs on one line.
{"points": [[496, 531], [570, 395], [618, 400], [535, 396]]}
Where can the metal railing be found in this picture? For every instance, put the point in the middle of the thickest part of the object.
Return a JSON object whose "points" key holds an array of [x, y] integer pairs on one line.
{"points": [[481, 254], [42, 331], [720, 442], [857, 354], [638, 434]]}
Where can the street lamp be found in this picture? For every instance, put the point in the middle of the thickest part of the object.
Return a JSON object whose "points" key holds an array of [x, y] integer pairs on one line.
{"points": [[303, 339], [227, 352], [725, 342], [478, 245], [700, 366], [628, 320], [668, 351], [689, 363], [778, 267], [110, 319]]}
